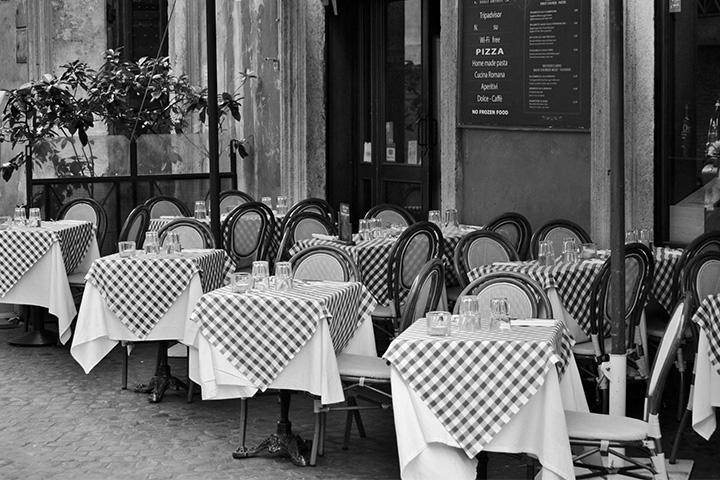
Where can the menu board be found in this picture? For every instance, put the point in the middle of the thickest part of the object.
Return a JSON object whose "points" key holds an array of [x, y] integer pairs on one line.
{"points": [[525, 63]]}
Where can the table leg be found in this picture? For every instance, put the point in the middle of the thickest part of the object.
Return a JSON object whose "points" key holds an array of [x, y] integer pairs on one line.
{"points": [[162, 379], [282, 441], [37, 336]]}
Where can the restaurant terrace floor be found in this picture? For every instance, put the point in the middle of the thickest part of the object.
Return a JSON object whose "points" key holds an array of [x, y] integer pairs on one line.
{"points": [[59, 423]]}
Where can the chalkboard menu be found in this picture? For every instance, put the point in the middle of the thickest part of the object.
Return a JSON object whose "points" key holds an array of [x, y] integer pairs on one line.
{"points": [[525, 63]]}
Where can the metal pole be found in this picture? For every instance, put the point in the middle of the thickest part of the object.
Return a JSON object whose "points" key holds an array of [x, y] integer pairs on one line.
{"points": [[213, 122], [617, 209], [28, 179]]}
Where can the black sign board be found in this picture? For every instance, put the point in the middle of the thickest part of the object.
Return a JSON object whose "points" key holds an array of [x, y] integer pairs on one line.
{"points": [[344, 225], [525, 63]]}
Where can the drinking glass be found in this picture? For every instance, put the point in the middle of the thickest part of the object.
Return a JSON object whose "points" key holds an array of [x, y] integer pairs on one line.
{"points": [[546, 253], [261, 275], [438, 323], [434, 217], [34, 218], [283, 276], [469, 313], [644, 237], [151, 243], [200, 210], [281, 204], [5, 222], [499, 315], [241, 282], [631, 236], [377, 227], [267, 201], [126, 249], [364, 230], [174, 242], [450, 220], [588, 251], [19, 219], [569, 251]]}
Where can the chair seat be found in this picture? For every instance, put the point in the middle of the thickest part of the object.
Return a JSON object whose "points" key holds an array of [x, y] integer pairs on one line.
{"points": [[585, 349], [595, 426], [77, 279], [363, 366], [385, 311]]}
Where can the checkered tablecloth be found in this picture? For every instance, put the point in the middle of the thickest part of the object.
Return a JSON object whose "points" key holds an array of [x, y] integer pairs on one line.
{"points": [[141, 289], [22, 247], [475, 382], [260, 332], [665, 261], [707, 316]]}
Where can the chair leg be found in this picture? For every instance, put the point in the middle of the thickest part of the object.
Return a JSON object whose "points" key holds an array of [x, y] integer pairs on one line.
{"points": [[530, 464], [323, 426], [678, 436], [191, 390], [680, 363], [123, 346], [243, 421], [316, 434], [482, 465]]}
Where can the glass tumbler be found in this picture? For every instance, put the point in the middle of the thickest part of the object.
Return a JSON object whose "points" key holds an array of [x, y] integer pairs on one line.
{"points": [[569, 251], [261, 275], [151, 243], [438, 323], [451, 218], [34, 218], [19, 218], [644, 237], [281, 204], [469, 313], [434, 217], [200, 210], [283, 276], [267, 201], [546, 253], [241, 282], [631, 236], [173, 241], [588, 251], [126, 249], [499, 314], [364, 230]]}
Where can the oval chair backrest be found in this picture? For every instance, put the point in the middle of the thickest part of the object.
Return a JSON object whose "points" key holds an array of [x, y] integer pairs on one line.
{"points": [[89, 210], [135, 226], [557, 231], [526, 297], [302, 226], [516, 228], [324, 262], [193, 233], [162, 206], [703, 276], [425, 293], [391, 215], [706, 242], [246, 233], [232, 198], [417, 245], [479, 248], [313, 205]]}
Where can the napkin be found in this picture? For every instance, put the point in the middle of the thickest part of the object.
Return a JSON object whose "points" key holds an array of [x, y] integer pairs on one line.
{"points": [[598, 261], [533, 322], [321, 236], [169, 217]]}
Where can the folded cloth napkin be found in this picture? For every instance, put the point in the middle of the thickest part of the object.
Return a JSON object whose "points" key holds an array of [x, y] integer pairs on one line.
{"points": [[169, 217], [321, 236], [533, 322], [599, 261]]}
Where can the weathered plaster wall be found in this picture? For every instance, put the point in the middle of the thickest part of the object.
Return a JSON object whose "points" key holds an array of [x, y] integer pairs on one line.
{"points": [[78, 31]]}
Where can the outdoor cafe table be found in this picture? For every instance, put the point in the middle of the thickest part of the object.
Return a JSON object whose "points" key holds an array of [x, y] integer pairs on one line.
{"points": [[706, 390], [143, 298], [244, 343], [454, 397], [34, 271], [568, 285], [371, 257]]}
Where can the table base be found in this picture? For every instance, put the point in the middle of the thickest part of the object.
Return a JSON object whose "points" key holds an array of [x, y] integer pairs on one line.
{"points": [[162, 379], [282, 441], [37, 336]]}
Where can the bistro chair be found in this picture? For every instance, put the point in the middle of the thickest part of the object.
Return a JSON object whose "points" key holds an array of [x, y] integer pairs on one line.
{"points": [[231, 198], [373, 373], [418, 244], [391, 215], [324, 262], [526, 297], [312, 204], [639, 271], [475, 249], [135, 226], [89, 210], [516, 228], [162, 205], [592, 433], [700, 280], [302, 226], [246, 233], [558, 230], [193, 233]]}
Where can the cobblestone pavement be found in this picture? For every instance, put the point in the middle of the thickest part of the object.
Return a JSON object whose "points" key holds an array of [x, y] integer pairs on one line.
{"points": [[56, 422]]}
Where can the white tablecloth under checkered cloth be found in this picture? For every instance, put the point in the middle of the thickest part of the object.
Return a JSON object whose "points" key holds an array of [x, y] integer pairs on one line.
{"points": [[260, 332], [141, 289], [474, 382], [22, 247], [707, 316]]}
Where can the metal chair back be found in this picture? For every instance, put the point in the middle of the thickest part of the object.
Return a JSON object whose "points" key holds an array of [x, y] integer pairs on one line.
{"points": [[557, 230], [324, 262], [516, 228], [89, 210], [246, 233], [162, 206], [391, 215], [193, 233], [481, 247], [135, 226]]}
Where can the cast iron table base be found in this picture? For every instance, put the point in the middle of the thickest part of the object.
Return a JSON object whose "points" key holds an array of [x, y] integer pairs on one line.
{"points": [[283, 441], [162, 379], [37, 336]]}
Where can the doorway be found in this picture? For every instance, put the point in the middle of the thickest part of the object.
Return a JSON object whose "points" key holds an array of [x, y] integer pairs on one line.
{"points": [[382, 129]]}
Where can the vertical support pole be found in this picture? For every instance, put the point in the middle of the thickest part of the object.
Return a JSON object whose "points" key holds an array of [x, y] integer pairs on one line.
{"points": [[213, 121], [28, 179]]}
